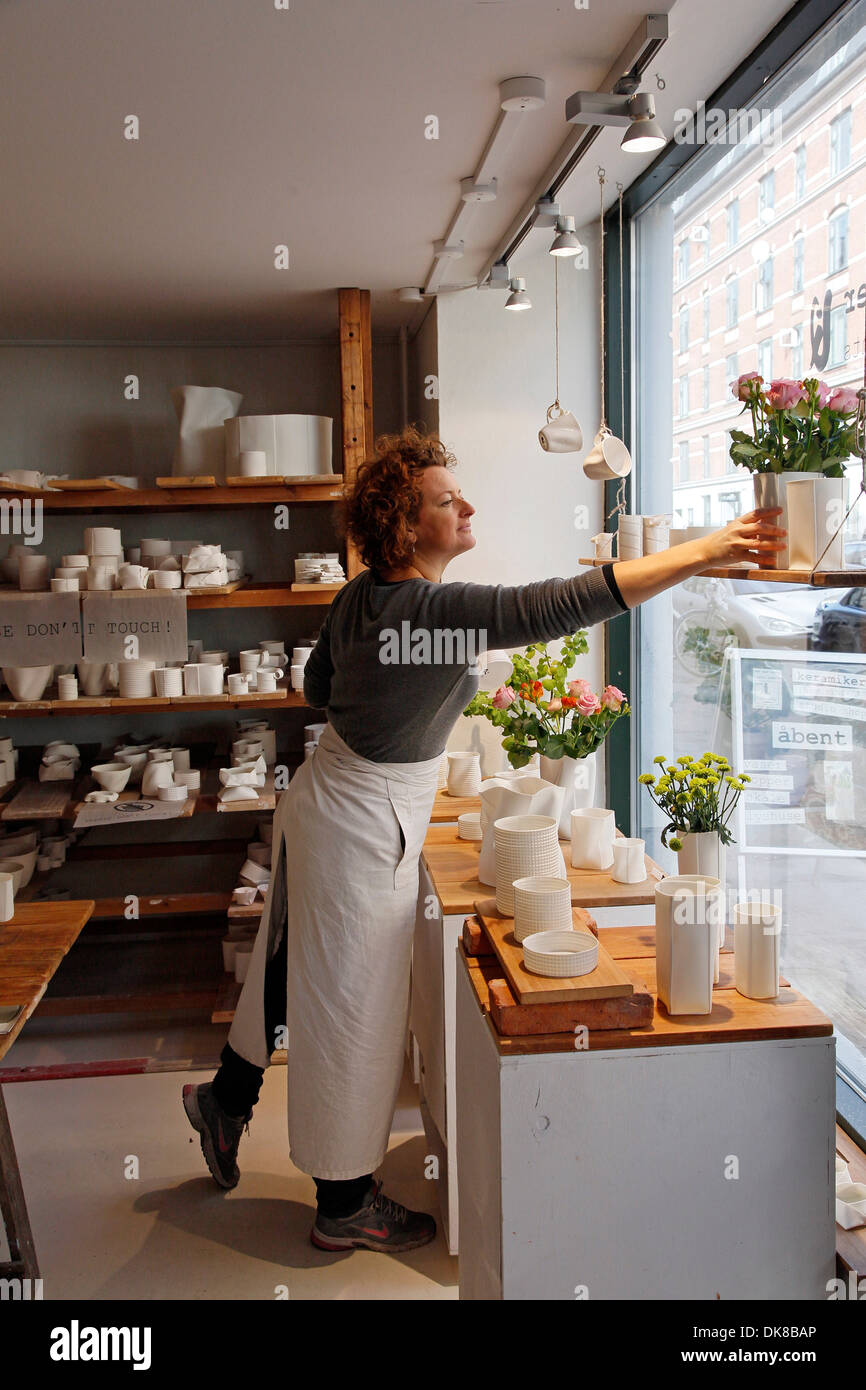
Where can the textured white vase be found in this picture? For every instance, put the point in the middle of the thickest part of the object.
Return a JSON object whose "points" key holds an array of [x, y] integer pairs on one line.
{"points": [[757, 928], [815, 507], [200, 447], [688, 909], [771, 491], [704, 853], [577, 777]]}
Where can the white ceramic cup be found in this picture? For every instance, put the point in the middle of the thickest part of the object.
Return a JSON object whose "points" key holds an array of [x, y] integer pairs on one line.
{"points": [[93, 676], [166, 579], [78, 562], [214, 658], [156, 775], [7, 896], [757, 934], [103, 540], [250, 659], [27, 682], [67, 688], [253, 463], [608, 458], [628, 860], [34, 572], [464, 773], [168, 680], [297, 674], [100, 578], [112, 777], [266, 681], [154, 545], [593, 831], [188, 777], [180, 758], [64, 584], [562, 434], [238, 683], [15, 869]]}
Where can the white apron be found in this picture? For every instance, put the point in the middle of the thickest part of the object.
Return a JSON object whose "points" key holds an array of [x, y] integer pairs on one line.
{"points": [[352, 891]]}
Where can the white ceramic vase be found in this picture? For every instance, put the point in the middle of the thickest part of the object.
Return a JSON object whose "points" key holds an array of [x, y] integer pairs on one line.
{"points": [[688, 909], [593, 831], [815, 507], [757, 928], [704, 853], [577, 777], [770, 491], [513, 797], [201, 410]]}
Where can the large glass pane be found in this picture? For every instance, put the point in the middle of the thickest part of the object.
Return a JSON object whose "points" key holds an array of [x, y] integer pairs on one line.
{"points": [[733, 665]]}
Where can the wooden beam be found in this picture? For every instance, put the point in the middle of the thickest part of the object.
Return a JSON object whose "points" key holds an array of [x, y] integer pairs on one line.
{"points": [[356, 392]]}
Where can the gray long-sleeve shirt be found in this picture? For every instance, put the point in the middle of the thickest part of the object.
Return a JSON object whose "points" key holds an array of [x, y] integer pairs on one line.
{"points": [[394, 662]]}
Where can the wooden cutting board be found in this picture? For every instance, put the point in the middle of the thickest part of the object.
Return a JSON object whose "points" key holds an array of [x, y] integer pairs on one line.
{"points": [[607, 981], [194, 480], [89, 485]]}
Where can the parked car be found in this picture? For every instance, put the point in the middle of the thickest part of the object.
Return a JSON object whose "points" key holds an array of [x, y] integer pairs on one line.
{"points": [[778, 616], [840, 623]]}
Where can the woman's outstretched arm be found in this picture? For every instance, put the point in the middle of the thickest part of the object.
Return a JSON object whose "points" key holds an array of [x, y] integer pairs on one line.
{"points": [[744, 539]]}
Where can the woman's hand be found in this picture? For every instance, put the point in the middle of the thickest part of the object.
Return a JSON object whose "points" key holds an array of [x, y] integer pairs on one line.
{"points": [[747, 538]]}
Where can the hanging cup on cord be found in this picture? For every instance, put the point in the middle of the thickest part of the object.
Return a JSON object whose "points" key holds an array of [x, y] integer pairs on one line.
{"points": [[562, 434], [608, 457]]}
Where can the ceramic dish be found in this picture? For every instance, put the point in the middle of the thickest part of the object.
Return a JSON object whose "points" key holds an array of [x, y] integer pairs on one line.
{"points": [[560, 954]]}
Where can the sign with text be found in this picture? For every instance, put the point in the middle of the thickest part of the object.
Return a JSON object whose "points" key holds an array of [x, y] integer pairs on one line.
{"points": [[40, 629], [125, 812], [123, 625], [799, 725]]}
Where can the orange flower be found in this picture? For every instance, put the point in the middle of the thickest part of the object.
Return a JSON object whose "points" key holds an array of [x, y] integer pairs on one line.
{"points": [[568, 702]]}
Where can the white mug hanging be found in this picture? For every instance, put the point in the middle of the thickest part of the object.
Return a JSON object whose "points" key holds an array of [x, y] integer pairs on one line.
{"points": [[562, 434], [608, 457]]}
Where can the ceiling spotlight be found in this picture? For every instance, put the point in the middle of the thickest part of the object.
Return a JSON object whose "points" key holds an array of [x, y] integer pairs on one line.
{"points": [[565, 243], [636, 112], [518, 299], [644, 134], [410, 295]]}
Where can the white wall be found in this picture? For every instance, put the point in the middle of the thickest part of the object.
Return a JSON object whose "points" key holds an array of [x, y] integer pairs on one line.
{"points": [[496, 380]]}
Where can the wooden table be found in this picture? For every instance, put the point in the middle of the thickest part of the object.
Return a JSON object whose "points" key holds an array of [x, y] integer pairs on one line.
{"points": [[453, 867], [32, 945], [688, 1159]]}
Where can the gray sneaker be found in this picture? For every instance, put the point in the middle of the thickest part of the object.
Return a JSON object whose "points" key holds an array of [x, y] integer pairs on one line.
{"points": [[220, 1133], [380, 1224]]}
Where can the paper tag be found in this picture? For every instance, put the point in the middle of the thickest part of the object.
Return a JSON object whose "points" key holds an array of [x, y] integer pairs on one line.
{"points": [[767, 689], [126, 812], [40, 629], [114, 622]]}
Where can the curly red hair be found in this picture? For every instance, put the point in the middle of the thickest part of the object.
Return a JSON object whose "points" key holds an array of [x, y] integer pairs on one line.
{"points": [[381, 504]]}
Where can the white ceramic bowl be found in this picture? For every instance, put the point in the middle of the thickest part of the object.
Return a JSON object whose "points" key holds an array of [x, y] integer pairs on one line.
{"points": [[112, 777], [27, 682], [561, 954], [469, 825]]}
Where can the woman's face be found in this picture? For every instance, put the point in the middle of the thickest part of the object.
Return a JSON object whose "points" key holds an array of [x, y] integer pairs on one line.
{"points": [[443, 527]]}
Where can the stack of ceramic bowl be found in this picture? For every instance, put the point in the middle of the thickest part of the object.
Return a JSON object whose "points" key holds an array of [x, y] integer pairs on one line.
{"points": [[135, 678], [526, 847], [300, 657], [541, 904], [318, 567], [204, 567], [103, 546], [469, 826], [251, 731], [560, 954], [629, 544]]}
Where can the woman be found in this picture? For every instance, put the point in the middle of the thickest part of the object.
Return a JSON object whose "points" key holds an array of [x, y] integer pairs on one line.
{"points": [[332, 956]]}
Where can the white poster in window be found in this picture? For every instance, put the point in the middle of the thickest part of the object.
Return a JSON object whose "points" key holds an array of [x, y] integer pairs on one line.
{"points": [[839, 789], [766, 689]]}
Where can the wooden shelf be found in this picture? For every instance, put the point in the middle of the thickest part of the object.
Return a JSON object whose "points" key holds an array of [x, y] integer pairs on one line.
{"points": [[68, 798], [818, 579], [264, 595], [326, 488], [281, 698]]}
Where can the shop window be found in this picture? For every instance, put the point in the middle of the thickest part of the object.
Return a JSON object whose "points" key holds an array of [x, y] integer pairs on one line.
{"points": [[732, 316], [683, 262], [800, 173], [799, 253], [684, 396], [837, 253], [706, 317], [706, 388], [806, 840], [840, 143]]}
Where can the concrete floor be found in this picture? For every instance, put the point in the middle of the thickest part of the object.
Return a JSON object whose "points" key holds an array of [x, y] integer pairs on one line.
{"points": [[170, 1233]]}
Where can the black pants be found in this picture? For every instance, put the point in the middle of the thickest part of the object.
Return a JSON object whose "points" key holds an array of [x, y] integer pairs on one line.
{"points": [[238, 1082]]}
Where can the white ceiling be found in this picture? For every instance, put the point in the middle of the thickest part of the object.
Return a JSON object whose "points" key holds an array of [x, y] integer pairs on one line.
{"points": [[302, 126]]}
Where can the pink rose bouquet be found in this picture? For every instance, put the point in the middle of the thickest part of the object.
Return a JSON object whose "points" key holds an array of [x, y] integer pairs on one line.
{"points": [[799, 426]]}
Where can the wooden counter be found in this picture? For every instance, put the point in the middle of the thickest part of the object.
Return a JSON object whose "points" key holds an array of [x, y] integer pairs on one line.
{"points": [[453, 867]]}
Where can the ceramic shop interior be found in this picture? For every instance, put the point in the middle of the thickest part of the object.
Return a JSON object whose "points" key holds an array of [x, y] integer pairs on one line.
{"points": [[511, 227]]}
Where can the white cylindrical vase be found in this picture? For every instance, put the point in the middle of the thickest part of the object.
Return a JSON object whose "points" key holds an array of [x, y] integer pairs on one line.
{"points": [[688, 908], [757, 934], [593, 831]]}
